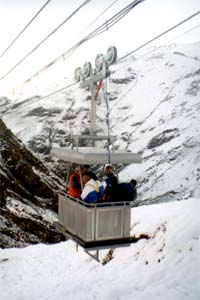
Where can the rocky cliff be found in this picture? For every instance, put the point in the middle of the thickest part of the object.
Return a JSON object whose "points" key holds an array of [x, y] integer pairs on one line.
{"points": [[28, 195]]}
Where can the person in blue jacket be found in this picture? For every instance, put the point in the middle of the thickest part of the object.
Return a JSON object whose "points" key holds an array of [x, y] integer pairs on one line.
{"points": [[111, 189], [93, 189]]}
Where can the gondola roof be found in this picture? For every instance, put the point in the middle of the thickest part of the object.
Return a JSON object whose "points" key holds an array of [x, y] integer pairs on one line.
{"points": [[94, 155]]}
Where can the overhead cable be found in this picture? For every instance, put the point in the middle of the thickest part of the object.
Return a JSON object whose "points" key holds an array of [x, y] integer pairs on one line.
{"points": [[29, 23], [58, 91], [99, 30], [46, 96], [147, 53], [104, 27], [175, 26], [184, 33], [155, 49], [106, 96], [47, 66], [159, 35], [45, 39], [100, 15]]}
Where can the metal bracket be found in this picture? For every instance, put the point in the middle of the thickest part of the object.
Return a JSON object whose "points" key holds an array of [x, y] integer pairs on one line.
{"points": [[94, 256]]}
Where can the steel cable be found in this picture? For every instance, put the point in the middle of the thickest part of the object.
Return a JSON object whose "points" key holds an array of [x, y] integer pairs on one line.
{"points": [[45, 39], [29, 23]]}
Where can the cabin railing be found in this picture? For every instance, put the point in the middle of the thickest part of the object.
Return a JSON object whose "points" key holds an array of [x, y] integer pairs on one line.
{"points": [[94, 221]]}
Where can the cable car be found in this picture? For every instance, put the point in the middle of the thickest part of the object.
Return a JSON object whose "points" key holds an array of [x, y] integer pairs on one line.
{"points": [[95, 226]]}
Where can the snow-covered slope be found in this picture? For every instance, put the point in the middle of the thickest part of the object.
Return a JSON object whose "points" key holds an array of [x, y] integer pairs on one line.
{"points": [[166, 266], [154, 110]]}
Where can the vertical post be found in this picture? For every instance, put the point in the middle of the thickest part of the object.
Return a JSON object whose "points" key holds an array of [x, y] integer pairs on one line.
{"points": [[88, 77], [67, 177], [81, 177], [97, 255], [95, 222], [77, 215], [91, 82], [93, 107], [123, 220]]}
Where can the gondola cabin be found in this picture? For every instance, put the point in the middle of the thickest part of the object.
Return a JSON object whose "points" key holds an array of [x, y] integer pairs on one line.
{"points": [[95, 226]]}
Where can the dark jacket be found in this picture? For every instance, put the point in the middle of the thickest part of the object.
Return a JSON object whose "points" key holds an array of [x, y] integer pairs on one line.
{"points": [[111, 189]]}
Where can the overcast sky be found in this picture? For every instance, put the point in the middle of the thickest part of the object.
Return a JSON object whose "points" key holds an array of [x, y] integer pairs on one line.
{"points": [[144, 22]]}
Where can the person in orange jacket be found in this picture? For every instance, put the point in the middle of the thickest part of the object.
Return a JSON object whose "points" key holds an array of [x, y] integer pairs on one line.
{"points": [[74, 185]]}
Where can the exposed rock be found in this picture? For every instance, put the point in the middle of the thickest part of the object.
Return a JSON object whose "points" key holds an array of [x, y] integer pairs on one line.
{"points": [[25, 179], [20, 231], [162, 138], [123, 80], [194, 88]]}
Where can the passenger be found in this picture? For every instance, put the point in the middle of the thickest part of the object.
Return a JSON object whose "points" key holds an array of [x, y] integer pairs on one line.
{"points": [[93, 190], [127, 190], [87, 169], [74, 185], [111, 189]]}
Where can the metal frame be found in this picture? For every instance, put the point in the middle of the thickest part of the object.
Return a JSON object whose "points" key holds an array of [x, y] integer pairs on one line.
{"points": [[88, 230], [91, 82], [93, 241], [98, 156]]}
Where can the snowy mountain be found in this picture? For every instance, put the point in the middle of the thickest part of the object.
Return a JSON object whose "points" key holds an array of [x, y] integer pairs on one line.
{"points": [[154, 110], [165, 266]]}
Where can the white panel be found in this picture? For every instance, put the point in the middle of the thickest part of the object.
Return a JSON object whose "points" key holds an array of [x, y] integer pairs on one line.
{"points": [[95, 156]]}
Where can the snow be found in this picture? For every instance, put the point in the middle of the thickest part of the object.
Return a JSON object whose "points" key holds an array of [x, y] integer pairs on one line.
{"points": [[165, 266], [29, 209]]}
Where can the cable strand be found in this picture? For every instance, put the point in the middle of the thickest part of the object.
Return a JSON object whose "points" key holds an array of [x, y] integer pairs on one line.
{"points": [[22, 31], [45, 39], [94, 33]]}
